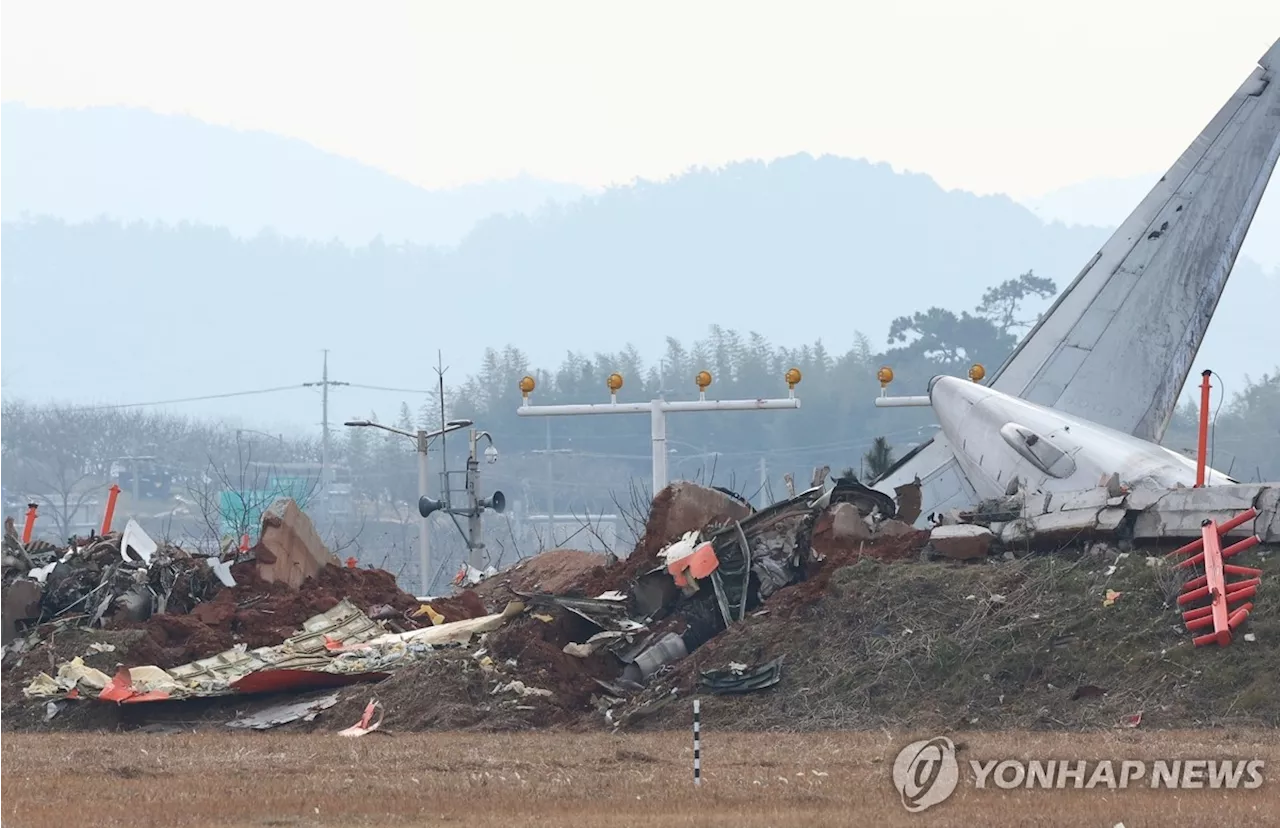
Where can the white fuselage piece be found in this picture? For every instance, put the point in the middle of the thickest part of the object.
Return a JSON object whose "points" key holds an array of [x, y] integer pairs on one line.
{"points": [[997, 437]]}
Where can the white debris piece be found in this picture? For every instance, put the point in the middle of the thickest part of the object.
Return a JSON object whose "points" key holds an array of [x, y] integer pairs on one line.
{"points": [[682, 548], [520, 689], [222, 569], [136, 538]]}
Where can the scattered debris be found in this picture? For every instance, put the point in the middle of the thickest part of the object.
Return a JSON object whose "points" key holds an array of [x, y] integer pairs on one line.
{"points": [[528, 644], [366, 724], [738, 678], [280, 714]]}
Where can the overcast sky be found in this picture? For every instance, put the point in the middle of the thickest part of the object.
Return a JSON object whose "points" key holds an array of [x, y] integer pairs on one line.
{"points": [[1018, 97]]}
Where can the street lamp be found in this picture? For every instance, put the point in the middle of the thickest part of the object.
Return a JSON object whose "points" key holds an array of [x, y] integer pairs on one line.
{"points": [[422, 439]]}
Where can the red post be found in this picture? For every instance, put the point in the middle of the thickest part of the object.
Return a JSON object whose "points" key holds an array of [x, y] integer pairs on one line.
{"points": [[244, 543], [1217, 586], [30, 524], [111, 508], [1202, 448]]}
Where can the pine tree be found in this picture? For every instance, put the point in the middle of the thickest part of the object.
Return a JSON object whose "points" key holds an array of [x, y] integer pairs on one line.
{"points": [[879, 459]]}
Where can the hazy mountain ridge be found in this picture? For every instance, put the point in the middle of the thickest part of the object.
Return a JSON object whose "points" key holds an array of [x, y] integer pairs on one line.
{"points": [[794, 249], [133, 164]]}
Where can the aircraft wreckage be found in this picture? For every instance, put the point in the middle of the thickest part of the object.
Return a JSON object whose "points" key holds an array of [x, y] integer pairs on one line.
{"points": [[1085, 397]]}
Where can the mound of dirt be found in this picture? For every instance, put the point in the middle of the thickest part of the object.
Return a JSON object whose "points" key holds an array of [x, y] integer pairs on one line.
{"points": [[1025, 644], [817, 577], [555, 571], [261, 614], [537, 647]]}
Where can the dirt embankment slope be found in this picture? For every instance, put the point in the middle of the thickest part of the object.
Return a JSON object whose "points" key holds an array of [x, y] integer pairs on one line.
{"points": [[1027, 644]]}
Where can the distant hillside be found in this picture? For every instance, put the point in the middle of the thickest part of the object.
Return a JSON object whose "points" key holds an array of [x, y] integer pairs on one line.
{"points": [[131, 164], [795, 249]]}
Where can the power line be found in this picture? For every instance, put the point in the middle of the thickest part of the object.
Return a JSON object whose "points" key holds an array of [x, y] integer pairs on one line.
{"points": [[187, 399], [385, 388], [246, 393]]}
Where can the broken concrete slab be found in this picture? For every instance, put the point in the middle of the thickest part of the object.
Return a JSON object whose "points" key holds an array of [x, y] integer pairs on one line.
{"points": [[1178, 513], [894, 529], [847, 523], [909, 499], [684, 507], [1267, 524], [961, 541], [290, 549], [837, 526]]}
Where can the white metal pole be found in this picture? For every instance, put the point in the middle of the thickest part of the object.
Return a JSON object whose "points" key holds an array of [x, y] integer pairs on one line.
{"points": [[657, 410], [475, 531], [658, 419], [551, 510], [903, 402], [424, 525]]}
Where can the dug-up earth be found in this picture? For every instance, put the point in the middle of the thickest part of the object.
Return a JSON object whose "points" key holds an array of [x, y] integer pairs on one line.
{"points": [[1071, 641], [1030, 644]]}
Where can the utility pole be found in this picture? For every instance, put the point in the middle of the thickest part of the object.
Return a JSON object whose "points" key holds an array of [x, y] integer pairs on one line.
{"points": [[476, 556], [422, 442], [324, 384], [475, 531]]}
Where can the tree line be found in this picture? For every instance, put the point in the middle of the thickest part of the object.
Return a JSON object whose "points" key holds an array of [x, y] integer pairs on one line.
{"points": [[579, 464]]}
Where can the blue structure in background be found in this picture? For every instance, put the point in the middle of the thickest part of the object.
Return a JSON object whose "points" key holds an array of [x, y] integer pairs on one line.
{"points": [[241, 511]]}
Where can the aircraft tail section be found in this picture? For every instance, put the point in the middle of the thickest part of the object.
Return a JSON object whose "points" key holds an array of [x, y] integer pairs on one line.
{"points": [[1117, 345]]}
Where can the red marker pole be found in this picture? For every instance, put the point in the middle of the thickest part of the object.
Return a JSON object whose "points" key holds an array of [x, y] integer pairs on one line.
{"points": [[30, 524], [1202, 448], [111, 508]]}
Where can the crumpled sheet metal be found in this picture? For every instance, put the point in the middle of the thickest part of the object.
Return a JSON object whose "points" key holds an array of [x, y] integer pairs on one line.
{"points": [[280, 714], [120, 574], [742, 681], [73, 676], [339, 647], [302, 662]]}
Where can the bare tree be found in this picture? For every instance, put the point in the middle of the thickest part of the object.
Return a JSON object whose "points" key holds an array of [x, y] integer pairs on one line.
{"points": [[48, 455], [231, 499]]}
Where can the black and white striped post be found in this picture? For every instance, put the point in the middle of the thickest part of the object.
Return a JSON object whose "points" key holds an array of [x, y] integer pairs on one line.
{"points": [[697, 743]]}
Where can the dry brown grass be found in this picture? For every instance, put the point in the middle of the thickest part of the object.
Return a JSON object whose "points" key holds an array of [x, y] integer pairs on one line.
{"points": [[278, 779]]}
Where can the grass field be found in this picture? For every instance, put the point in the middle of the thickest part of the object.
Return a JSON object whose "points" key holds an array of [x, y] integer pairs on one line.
{"points": [[549, 778]]}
